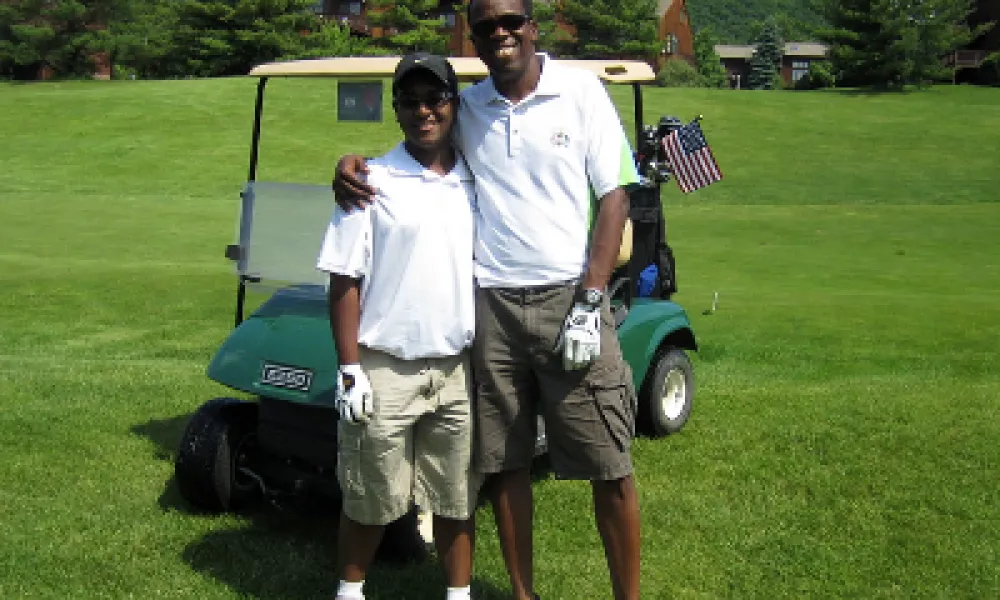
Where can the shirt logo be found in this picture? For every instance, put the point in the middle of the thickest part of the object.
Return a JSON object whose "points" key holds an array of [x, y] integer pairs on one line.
{"points": [[560, 138]]}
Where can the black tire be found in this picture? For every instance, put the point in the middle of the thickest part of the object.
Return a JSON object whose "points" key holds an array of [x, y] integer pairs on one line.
{"points": [[221, 435], [667, 394]]}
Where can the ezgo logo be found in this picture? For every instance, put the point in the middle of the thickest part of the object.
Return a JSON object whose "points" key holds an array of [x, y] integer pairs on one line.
{"points": [[283, 376]]}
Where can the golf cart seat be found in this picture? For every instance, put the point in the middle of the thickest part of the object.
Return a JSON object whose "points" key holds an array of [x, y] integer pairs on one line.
{"points": [[625, 250]]}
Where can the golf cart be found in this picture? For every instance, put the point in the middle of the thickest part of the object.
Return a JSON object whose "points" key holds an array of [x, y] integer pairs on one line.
{"points": [[284, 441]]}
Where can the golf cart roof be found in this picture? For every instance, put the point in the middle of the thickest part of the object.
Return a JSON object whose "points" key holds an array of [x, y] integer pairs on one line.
{"points": [[467, 68]]}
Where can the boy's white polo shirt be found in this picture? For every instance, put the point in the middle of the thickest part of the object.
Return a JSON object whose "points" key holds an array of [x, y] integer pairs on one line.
{"points": [[541, 166], [412, 249]]}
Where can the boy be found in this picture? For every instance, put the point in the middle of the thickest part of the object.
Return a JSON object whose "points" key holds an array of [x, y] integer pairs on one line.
{"points": [[401, 309]]}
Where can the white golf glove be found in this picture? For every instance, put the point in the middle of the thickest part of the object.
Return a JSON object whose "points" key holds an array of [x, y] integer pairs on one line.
{"points": [[354, 394], [581, 337]]}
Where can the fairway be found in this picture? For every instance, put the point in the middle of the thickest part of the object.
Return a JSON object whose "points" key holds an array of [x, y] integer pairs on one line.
{"points": [[844, 439]]}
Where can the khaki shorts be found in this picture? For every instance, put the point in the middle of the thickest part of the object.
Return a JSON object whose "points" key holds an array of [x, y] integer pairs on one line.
{"points": [[589, 413], [417, 446]]}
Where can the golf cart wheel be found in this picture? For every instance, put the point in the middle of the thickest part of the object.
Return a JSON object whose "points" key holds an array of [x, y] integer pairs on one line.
{"points": [[219, 440], [667, 395]]}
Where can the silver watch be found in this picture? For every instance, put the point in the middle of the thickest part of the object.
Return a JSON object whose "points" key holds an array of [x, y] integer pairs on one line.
{"points": [[592, 298]]}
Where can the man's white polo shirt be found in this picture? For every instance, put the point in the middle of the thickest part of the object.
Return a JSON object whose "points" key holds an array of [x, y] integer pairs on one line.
{"points": [[540, 166], [412, 249]]}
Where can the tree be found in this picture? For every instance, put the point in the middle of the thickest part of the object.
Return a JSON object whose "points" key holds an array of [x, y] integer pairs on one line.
{"points": [[603, 28], [552, 34], [891, 43], [141, 43], [229, 37], [60, 35], [766, 60], [713, 74], [167, 38], [412, 25], [789, 28], [334, 39]]}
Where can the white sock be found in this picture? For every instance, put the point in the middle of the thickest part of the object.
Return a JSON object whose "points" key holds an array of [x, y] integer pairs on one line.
{"points": [[462, 593], [350, 590]]}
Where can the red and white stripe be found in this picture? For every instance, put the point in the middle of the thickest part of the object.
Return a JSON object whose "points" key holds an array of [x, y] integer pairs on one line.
{"points": [[692, 171]]}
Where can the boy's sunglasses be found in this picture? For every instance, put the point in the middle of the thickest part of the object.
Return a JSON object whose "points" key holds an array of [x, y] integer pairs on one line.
{"points": [[509, 23], [432, 100]]}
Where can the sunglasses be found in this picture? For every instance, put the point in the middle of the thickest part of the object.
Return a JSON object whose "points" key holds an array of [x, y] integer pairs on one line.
{"points": [[435, 99], [509, 23]]}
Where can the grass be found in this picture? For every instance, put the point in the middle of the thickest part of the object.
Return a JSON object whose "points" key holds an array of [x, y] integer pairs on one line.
{"points": [[843, 442]]}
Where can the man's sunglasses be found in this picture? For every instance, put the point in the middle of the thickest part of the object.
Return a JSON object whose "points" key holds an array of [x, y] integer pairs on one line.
{"points": [[509, 23], [435, 99]]}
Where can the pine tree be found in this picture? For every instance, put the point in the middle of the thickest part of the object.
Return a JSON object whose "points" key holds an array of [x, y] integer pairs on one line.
{"points": [[553, 37], [141, 40], [766, 60], [229, 37], [713, 74], [603, 28], [411, 25], [891, 43], [61, 35]]}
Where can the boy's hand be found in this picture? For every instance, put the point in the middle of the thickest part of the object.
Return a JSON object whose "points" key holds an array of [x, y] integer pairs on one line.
{"points": [[354, 394]]}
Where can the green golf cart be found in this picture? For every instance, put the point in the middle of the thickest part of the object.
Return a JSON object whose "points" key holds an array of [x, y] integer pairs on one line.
{"points": [[282, 442]]}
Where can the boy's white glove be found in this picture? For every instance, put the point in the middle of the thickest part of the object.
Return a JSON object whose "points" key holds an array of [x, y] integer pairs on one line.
{"points": [[354, 394], [581, 336]]}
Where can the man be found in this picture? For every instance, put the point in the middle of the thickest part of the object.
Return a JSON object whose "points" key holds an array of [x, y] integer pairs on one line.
{"points": [[401, 309], [542, 140]]}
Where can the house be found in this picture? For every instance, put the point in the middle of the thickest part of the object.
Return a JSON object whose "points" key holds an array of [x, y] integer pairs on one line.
{"points": [[673, 23], [968, 62], [795, 61], [675, 30]]}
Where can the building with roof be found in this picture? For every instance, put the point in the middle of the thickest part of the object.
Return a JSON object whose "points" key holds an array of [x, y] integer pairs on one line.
{"points": [[675, 30], [795, 60]]}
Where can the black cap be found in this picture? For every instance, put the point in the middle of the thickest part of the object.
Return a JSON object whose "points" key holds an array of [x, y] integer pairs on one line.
{"points": [[432, 63]]}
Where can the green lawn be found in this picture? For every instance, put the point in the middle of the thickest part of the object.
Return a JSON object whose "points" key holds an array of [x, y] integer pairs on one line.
{"points": [[844, 439]]}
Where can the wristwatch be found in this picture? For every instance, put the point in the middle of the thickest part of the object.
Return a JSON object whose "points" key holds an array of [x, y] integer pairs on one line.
{"points": [[592, 298]]}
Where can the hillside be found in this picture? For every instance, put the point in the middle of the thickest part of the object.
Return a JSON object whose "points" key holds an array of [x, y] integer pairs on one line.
{"points": [[733, 21]]}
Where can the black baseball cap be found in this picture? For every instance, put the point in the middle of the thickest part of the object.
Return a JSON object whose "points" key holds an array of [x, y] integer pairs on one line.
{"points": [[432, 63]]}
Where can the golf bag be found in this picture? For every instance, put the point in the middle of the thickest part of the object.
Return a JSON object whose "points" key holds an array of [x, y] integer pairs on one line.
{"points": [[651, 271]]}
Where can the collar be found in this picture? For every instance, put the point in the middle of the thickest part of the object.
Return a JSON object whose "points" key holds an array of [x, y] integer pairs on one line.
{"points": [[400, 163], [548, 84]]}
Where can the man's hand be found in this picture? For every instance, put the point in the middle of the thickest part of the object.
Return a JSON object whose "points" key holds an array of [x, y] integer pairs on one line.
{"points": [[349, 187], [354, 394], [581, 336]]}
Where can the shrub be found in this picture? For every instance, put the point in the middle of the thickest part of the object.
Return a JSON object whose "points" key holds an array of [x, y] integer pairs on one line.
{"points": [[123, 72], [820, 75], [677, 72]]}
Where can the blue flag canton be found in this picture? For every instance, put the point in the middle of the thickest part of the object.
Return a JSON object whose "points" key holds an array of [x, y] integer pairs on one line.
{"points": [[691, 138]]}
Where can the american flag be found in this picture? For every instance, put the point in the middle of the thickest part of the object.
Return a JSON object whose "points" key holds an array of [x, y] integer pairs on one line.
{"points": [[690, 157]]}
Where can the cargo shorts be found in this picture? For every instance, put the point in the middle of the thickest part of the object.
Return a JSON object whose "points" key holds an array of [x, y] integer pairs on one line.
{"points": [[417, 446], [589, 413]]}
